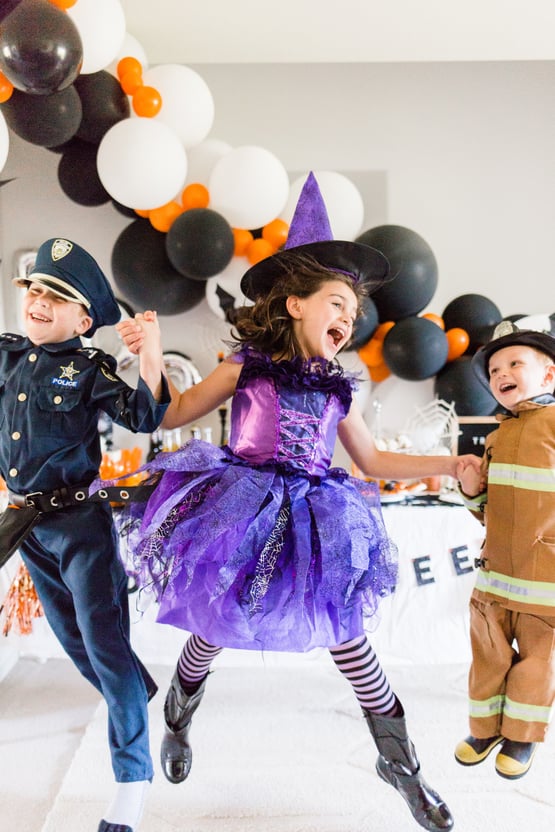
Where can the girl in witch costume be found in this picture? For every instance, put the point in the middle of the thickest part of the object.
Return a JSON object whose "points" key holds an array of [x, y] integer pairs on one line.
{"points": [[261, 544]]}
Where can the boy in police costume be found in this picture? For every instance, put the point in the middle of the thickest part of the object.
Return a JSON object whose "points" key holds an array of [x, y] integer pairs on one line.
{"points": [[51, 391], [512, 609]]}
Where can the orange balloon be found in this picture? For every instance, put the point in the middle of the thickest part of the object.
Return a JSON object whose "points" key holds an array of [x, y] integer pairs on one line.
{"points": [[276, 233], [147, 101], [457, 342], [6, 88], [142, 212], [379, 373], [436, 319], [131, 81], [129, 64], [382, 330], [63, 4], [258, 250], [162, 218], [195, 195], [243, 239], [371, 353]]}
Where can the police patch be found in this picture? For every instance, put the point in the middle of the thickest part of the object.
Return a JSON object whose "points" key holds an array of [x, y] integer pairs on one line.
{"points": [[60, 248]]}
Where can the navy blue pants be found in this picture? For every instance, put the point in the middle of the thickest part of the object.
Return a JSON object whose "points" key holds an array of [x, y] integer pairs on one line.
{"points": [[72, 558]]}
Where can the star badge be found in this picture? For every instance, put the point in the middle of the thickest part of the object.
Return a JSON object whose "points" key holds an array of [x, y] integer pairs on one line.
{"points": [[69, 372]]}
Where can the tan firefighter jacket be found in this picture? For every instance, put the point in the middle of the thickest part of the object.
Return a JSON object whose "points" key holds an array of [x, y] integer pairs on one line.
{"points": [[517, 563]]}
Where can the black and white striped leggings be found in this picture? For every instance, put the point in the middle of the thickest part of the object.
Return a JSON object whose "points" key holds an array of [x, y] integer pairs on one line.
{"points": [[355, 659]]}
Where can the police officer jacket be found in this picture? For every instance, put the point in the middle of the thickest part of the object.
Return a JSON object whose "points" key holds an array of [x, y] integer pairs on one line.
{"points": [[50, 399]]}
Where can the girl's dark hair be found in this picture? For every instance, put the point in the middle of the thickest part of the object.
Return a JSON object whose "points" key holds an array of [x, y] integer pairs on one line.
{"points": [[267, 325]]}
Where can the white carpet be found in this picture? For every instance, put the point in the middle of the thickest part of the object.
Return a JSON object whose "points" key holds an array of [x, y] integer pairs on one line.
{"points": [[285, 749]]}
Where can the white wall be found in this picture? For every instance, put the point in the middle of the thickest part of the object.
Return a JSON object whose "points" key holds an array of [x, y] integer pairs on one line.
{"points": [[462, 153]]}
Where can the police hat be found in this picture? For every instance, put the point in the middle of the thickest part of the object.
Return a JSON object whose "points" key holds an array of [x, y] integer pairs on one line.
{"points": [[507, 334], [70, 272]]}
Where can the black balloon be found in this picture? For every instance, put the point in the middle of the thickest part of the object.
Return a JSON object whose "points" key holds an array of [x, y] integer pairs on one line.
{"points": [[104, 104], [365, 324], [474, 313], [415, 349], [458, 383], [145, 276], [413, 269], [200, 243], [40, 48], [46, 120], [123, 209], [78, 175]]}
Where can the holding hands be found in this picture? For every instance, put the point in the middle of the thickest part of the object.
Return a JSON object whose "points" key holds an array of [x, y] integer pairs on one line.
{"points": [[139, 331]]}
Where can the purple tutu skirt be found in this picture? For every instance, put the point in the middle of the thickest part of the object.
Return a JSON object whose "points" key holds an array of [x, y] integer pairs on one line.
{"points": [[259, 557]]}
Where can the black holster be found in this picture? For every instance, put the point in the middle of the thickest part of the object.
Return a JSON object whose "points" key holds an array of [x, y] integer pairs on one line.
{"points": [[15, 525]]}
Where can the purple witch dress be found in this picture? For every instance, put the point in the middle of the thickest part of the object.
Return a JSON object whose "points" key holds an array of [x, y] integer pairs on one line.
{"points": [[260, 544]]}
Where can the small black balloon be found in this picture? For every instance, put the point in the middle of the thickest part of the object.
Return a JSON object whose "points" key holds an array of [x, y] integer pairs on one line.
{"points": [[78, 175], [40, 48], [104, 104], [145, 276], [413, 269], [458, 383], [415, 349], [200, 243], [365, 324], [46, 120], [476, 314]]}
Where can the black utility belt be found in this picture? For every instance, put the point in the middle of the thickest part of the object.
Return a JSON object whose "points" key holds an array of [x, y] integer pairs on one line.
{"points": [[68, 496]]}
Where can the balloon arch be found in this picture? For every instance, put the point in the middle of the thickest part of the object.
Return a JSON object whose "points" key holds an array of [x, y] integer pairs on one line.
{"points": [[74, 81]]}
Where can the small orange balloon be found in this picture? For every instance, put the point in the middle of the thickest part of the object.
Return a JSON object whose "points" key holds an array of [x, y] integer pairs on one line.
{"points": [[131, 81], [63, 4], [436, 319], [129, 64], [258, 250], [276, 233], [457, 342], [142, 212], [371, 353], [6, 89], [379, 373], [147, 101], [243, 239], [162, 218], [382, 329], [195, 195]]}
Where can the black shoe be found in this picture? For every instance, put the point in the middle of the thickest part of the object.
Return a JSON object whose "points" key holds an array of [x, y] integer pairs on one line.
{"points": [[176, 754], [471, 751], [104, 826], [425, 804], [398, 765], [514, 759]]}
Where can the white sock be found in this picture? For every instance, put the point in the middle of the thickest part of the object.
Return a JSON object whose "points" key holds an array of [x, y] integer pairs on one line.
{"points": [[127, 806]]}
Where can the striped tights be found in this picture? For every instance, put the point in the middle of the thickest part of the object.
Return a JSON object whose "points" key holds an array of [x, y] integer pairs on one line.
{"points": [[355, 659]]}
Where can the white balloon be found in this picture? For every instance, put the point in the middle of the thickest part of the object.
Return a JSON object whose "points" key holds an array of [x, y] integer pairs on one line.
{"points": [[202, 158], [248, 186], [342, 198], [141, 163], [4, 141], [130, 48], [101, 26], [225, 288], [187, 103]]}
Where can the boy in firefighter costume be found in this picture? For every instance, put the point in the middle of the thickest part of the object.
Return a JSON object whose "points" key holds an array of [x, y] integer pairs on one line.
{"points": [[512, 609], [52, 389]]}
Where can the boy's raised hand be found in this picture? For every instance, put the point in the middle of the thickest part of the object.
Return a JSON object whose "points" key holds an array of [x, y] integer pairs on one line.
{"points": [[132, 331]]}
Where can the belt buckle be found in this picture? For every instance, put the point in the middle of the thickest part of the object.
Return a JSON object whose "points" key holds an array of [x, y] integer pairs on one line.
{"points": [[29, 498]]}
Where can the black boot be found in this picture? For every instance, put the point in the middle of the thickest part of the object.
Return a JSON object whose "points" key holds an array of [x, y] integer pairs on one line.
{"points": [[176, 754], [398, 765]]}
